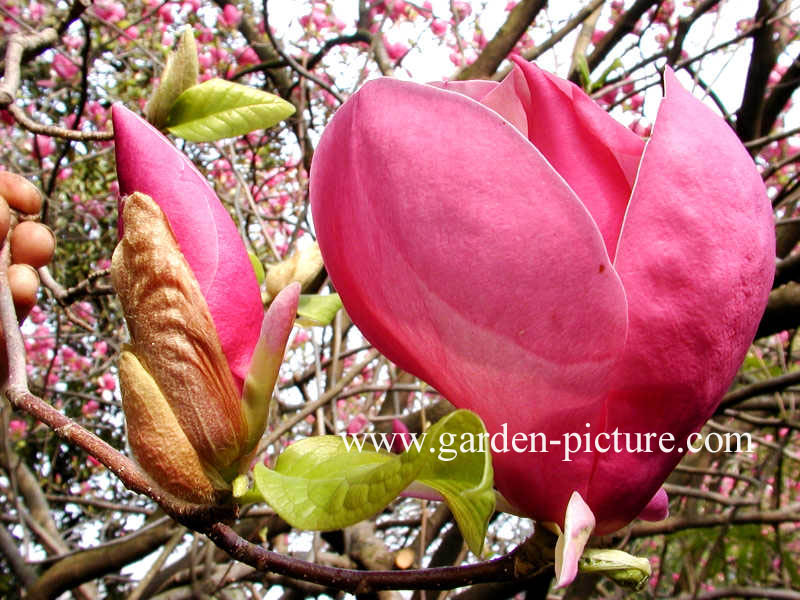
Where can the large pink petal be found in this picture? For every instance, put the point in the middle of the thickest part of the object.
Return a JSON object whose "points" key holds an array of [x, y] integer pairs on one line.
{"points": [[148, 163], [696, 256], [465, 258], [595, 154]]}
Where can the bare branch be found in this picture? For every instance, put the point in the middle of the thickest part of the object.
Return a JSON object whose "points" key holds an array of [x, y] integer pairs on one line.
{"points": [[529, 559], [783, 310], [17, 45], [729, 517], [559, 35], [519, 19], [762, 60], [55, 131], [760, 388], [623, 27]]}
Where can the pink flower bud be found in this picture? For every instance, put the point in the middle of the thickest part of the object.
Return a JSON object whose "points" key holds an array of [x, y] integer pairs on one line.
{"points": [[198, 374]]}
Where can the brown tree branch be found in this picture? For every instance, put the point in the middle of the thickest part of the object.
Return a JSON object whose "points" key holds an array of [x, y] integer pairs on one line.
{"points": [[760, 388], [584, 38], [684, 25], [743, 592], [108, 558], [297, 67], [762, 60], [783, 310], [55, 131], [9, 549], [623, 27], [531, 558], [17, 44], [677, 523], [776, 101], [519, 19]]}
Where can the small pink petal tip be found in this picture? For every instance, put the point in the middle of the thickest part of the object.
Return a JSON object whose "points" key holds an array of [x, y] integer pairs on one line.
{"points": [[579, 523]]}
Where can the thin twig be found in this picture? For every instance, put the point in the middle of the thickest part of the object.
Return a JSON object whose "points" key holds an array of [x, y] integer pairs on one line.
{"points": [[55, 131], [300, 69], [17, 44]]}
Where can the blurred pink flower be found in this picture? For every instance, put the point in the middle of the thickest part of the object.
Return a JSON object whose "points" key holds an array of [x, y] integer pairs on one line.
{"points": [[107, 382], [18, 428], [90, 407], [108, 10], [395, 51], [44, 145], [357, 424], [230, 16], [438, 27], [64, 67]]}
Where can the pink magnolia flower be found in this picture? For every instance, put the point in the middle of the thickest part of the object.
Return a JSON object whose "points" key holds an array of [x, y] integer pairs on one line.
{"points": [[200, 335], [18, 428], [109, 10], [401, 437], [357, 424], [64, 67], [439, 28], [540, 264], [90, 408], [36, 11], [44, 145], [395, 51], [107, 382], [230, 16], [247, 56]]}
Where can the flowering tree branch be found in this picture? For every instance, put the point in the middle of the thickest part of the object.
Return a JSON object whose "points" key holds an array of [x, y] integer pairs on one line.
{"points": [[495, 52]]}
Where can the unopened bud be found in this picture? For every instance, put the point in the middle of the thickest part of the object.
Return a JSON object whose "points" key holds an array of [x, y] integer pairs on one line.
{"points": [[302, 267], [179, 74], [157, 440], [174, 342], [627, 570]]}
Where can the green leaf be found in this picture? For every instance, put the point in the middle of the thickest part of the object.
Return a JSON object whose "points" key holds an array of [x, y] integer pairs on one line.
{"points": [[319, 310], [455, 474], [317, 484], [179, 74], [219, 109], [583, 71], [617, 64], [257, 267], [327, 482]]}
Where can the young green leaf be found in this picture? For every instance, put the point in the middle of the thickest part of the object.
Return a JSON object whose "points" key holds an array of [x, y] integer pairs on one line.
{"points": [[178, 75], [219, 109], [327, 482], [318, 310], [317, 484], [257, 267], [463, 474]]}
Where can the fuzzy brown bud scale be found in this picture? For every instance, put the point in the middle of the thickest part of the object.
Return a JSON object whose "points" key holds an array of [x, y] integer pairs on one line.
{"points": [[185, 423]]}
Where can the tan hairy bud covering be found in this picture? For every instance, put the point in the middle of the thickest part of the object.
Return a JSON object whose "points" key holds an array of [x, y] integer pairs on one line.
{"points": [[156, 438], [174, 338]]}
